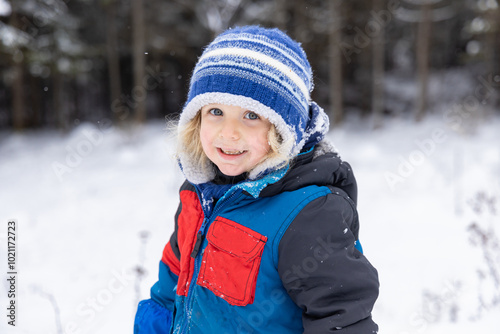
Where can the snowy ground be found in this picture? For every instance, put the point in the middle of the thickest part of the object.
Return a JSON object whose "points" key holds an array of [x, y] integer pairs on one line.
{"points": [[83, 200]]}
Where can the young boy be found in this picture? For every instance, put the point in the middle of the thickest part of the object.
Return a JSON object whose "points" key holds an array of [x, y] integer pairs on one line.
{"points": [[266, 234]]}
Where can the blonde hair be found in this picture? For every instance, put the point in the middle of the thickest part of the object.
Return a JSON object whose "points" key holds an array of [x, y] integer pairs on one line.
{"points": [[188, 141]]}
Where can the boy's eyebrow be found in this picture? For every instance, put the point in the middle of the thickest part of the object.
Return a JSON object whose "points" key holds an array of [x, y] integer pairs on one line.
{"points": [[208, 106]]}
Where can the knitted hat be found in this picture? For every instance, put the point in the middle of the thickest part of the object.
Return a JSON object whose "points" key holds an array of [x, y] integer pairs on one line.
{"points": [[262, 70]]}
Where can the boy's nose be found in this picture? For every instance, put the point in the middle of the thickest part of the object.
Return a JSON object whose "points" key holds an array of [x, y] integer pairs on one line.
{"points": [[230, 131]]}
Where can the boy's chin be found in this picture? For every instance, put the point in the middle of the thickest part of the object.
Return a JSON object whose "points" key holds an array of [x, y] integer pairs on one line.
{"points": [[231, 171]]}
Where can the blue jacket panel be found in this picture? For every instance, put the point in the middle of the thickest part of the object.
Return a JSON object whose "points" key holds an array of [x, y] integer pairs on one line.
{"points": [[224, 261]]}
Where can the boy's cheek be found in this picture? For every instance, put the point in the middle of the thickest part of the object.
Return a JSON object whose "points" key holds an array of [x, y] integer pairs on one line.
{"points": [[205, 141]]}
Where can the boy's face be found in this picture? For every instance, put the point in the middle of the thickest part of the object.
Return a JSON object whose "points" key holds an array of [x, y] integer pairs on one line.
{"points": [[233, 138]]}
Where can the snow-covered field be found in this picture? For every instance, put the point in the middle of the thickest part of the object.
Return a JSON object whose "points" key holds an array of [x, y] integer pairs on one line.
{"points": [[94, 204]]}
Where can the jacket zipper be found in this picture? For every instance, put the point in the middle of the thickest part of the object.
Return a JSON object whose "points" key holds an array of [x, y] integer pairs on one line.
{"points": [[199, 241]]}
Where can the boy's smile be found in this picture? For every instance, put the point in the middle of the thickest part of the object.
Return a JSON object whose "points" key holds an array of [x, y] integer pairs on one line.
{"points": [[233, 138]]}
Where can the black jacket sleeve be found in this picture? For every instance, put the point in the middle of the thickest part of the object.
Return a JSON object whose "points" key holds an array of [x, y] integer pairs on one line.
{"points": [[324, 273]]}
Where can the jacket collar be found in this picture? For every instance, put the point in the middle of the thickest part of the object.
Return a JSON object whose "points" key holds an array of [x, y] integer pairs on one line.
{"points": [[320, 165]]}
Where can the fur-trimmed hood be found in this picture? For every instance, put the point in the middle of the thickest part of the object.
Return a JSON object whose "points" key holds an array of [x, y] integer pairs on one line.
{"points": [[264, 71], [315, 131]]}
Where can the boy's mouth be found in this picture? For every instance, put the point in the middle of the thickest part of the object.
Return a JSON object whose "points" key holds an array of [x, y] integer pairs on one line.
{"points": [[231, 152]]}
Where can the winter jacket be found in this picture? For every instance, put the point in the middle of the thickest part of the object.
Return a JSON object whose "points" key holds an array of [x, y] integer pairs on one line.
{"points": [[276, 255]]}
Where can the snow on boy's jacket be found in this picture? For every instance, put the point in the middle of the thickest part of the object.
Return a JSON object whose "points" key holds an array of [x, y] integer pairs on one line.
{"points": [[275, 255]]}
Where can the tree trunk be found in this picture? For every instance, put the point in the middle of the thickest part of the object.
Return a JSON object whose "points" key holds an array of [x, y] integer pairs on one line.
{"points": [[18, 106], [299, 20], [496, 58], [378, 45], [113, 55], [139, 92], [335, 63], [57, 99], [280, 8], [36, 102], [423, 49]]}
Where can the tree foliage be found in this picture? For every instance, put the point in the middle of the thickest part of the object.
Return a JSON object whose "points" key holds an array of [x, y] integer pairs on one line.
{"points": [[68, 61]]}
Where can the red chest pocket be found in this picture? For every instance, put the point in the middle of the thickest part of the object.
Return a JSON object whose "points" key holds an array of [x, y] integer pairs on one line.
{"points": [[231, 261]]}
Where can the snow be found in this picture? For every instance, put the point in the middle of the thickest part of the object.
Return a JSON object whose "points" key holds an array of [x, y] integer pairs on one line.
{"points": [[83, 200]]}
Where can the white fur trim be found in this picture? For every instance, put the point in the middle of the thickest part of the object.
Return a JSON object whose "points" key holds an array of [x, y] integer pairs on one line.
{"points": [[201, 174], [198, 102], [193, 171], [323, 147]]}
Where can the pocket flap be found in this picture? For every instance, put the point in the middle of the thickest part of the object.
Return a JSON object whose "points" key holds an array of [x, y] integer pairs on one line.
{"points": [[236, 239]]}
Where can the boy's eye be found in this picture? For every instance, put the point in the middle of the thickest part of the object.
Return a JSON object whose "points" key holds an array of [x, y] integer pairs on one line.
{"points": [[252, 115], [215, 112]]}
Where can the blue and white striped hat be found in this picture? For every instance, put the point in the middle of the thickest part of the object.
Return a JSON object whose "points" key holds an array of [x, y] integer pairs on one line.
{"points": [[265, 71]]}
